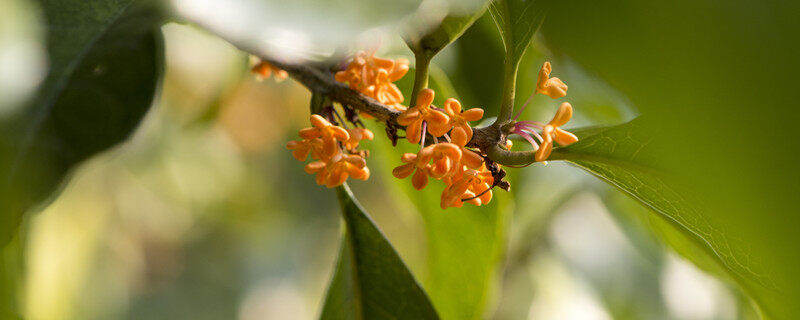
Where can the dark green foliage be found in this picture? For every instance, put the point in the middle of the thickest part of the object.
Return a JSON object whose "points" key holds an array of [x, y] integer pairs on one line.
{"points": [[371, 281]]}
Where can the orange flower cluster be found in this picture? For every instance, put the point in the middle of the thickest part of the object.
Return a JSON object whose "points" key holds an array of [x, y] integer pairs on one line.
{"points": [[461, 169], [263, 70], [374, 77], [554, 88], [335, 152], [438, 122]]}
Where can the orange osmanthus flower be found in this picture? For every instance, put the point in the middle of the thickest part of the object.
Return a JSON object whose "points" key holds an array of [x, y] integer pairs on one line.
{"points": [[301, 149], [412, 165], [446, 158], [329, 134], [374, 77], [356, 136], [551, 132], [336, 171], [437, 121], [552, 87], [460, 120], [466, 184], [332, 165], [468, 157]]}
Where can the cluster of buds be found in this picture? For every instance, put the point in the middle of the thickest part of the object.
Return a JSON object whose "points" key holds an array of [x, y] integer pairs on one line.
{"points": [[334, 150], [263, 69], [463, 171], [551, 131], [375, 77]]}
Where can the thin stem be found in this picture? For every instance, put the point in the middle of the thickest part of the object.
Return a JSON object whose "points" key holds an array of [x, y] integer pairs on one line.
{"points": [[527, 129], [536, 124], [509, 86], [424, 130], [524, 105], [339, 117], [423, 61], [521, 133]]}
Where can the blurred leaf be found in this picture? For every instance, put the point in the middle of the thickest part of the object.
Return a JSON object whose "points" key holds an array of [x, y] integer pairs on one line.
{"points": [[105, 59], [371, 281], [451, 27], [623, 156], [518, 21], [12, 258], [308, 29]]}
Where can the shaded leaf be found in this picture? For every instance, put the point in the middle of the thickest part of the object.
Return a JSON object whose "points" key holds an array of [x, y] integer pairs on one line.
{"points": [[371, 281], [105, 59], [518, 21]]}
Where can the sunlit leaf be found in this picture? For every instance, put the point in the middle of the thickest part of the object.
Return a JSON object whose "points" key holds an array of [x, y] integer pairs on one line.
{"points": [[371, 281], [626, 156], [105, 63]]}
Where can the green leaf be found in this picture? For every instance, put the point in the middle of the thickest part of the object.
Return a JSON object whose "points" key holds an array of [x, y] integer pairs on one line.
{"points": [[518, 21], [687, 67], [448, 30], [105, 63], [628, 156], [371, 281]]}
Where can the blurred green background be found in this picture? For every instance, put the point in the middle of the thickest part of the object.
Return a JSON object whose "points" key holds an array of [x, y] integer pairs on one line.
{"points": [[203, 214]]}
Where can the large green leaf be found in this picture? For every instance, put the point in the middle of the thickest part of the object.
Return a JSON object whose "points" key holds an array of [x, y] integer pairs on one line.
{"points": [[717, 82], [448, 30], [371, 281], [627, 156], [105, 62], [518, 21]]}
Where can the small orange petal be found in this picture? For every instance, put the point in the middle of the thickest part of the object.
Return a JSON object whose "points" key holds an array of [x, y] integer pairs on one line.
{"points": [[414, 131], [318, 121], [403, 171], [340, 133], [309, 133], [473, 114], [420, 179], [452, 106], [544, 150], [315, 166], [424, 98], [459, 136], [564, 137], [471, 159], [562, 116]]}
